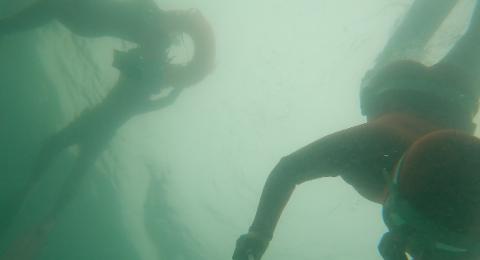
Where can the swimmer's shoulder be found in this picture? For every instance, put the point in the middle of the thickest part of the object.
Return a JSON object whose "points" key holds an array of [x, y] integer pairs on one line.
{"points": [[408, 125]]}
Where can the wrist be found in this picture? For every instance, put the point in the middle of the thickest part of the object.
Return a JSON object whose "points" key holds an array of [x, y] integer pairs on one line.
{"points": [[259, 235]]}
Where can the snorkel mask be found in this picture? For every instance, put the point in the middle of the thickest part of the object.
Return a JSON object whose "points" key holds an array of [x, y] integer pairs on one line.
{"points": [[422, 237]]}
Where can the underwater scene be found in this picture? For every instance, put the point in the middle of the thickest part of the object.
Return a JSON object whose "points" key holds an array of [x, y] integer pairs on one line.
{"points": [[203, 129]]}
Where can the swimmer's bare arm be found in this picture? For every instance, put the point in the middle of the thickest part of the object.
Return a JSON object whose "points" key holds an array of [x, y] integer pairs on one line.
{"points": [[328, 157], [341, 153], [31, 17]]}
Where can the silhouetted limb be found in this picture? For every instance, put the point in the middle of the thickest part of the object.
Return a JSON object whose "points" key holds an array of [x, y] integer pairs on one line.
{"points": [[86, 160], [156, 104], [29, 244], [50, 149], [415, 30], [33, 16], [465, 55]]}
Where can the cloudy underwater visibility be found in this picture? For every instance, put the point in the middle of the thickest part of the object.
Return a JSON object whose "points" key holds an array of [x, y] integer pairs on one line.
{"points": [[244, 130]]}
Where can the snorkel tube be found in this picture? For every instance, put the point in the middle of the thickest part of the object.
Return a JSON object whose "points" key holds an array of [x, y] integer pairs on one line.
{"points": [[194, 24]]}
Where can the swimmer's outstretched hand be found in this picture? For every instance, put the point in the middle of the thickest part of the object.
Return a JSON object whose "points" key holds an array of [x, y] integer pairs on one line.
{"points": [[250, 246]]}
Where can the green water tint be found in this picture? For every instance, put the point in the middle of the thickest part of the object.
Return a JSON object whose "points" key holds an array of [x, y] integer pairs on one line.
{"points": [[282, 80]]}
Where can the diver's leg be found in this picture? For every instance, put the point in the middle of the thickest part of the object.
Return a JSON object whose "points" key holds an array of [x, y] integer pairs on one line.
{"points": [[465, 54], [419, 24], [49, 150], [72, 134], [33, 16], [83, 164], [52, 146], [29, 244]]}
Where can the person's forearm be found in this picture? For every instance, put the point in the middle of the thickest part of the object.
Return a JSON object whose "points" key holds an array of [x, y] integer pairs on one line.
{"points": [[322, 158], [276, 193]]}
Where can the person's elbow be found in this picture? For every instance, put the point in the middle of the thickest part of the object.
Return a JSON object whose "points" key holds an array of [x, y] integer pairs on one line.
{"points": [[286, 172]]}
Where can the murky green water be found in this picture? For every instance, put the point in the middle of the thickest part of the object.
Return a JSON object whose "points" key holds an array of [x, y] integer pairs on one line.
{"points": [[184, 182]]}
